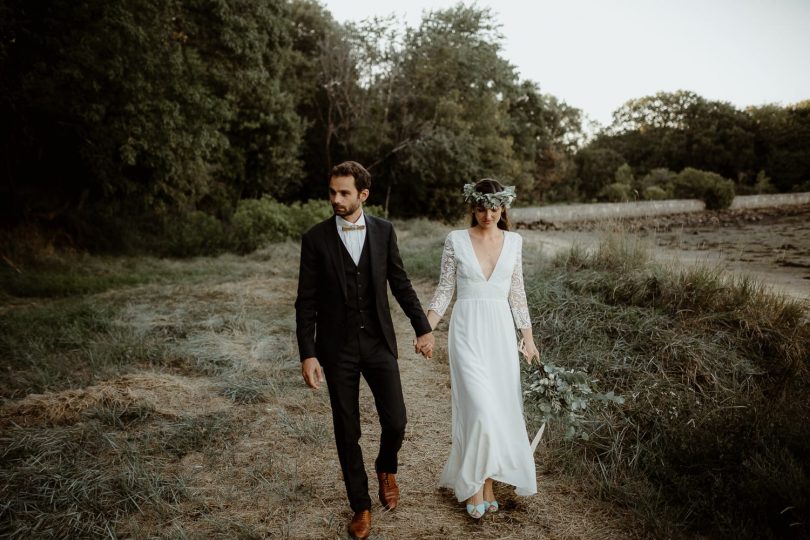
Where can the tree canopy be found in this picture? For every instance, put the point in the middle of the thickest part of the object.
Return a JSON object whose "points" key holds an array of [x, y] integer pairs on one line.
{"points": [[682, 129], [124, 114]]}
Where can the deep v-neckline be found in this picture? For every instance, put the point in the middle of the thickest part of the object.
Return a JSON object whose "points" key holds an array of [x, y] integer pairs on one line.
{"points": [[497, 261]]}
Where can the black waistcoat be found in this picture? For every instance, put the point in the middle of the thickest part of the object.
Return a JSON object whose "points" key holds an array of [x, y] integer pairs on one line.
{"points": [[361, 314]]}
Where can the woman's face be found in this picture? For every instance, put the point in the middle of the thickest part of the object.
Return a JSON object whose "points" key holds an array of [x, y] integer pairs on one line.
{"points": [[487, 217]]}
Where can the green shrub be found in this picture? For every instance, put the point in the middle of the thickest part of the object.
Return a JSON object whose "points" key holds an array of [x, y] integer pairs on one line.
{"points": [[254, 224], [624, 175], [660, 177], [804, 187], [763, 184], [305, 215], [654, 193], [716, 191], [257, 222], [616, 192], [194, 233]]}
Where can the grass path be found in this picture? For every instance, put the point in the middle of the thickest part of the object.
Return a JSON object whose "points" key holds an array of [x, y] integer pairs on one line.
{"points": [[558, 511], [281, 478], [199, 425]]}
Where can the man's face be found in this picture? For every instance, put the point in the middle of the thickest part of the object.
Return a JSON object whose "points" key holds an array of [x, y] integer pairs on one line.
{"points": [[344, 197]]}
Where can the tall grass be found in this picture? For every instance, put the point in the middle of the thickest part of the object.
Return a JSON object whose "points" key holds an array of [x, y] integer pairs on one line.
{"points": [[420, 244], [76, 481], [67, 343], [104, 460], [714, 436]]}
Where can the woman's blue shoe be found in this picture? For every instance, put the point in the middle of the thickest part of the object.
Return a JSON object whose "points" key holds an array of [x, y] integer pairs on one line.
{"points": [[476, 511], [492, 506]]}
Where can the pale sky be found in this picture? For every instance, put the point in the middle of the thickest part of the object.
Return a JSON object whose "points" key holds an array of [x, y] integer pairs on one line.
{"points": [[597, 54]]}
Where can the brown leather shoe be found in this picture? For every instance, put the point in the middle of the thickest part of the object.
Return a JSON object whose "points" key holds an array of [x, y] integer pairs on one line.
{"points": [[360, 527], [389, 490]]}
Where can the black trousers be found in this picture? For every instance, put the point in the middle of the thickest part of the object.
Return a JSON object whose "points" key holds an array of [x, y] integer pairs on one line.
{"points": [[365, 353]]}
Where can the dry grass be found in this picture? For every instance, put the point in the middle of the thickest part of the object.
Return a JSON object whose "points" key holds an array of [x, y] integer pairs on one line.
{"points": [[204, 429]]}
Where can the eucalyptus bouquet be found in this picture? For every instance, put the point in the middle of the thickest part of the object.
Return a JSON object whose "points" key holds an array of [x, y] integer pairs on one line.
{"points": [[563, 395]]}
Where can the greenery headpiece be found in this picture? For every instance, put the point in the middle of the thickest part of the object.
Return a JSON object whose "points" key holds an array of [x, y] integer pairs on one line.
{"points": [[489, 200]]}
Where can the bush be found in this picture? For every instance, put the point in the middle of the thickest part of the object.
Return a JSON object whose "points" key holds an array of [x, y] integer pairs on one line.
{"points": [[257, 222], [763, 184], [716, 191], [654, 193], [194, 233], [616, 192], [660, 177], [624, 175], [305, 215]]}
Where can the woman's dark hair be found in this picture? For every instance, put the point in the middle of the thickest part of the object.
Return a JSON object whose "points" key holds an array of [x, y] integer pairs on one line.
{"points": [[362, 178], [488, 185]]}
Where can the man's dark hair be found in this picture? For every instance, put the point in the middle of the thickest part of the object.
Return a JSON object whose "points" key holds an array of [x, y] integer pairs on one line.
{"points": [[362, 178]]}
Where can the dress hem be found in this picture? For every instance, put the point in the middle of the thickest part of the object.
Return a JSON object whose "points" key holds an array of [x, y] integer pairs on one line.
{"points": [[520, 491]]}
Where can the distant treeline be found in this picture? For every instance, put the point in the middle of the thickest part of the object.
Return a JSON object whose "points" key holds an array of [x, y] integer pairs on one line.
{"points": [[122, 116], [761, 149]]}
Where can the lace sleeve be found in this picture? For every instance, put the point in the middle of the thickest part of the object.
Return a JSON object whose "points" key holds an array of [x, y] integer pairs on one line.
{"points": [[517, 294], [447, 280]]}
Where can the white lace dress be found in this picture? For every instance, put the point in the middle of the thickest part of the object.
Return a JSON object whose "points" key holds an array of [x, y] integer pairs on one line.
{"points": [[489, 432]]}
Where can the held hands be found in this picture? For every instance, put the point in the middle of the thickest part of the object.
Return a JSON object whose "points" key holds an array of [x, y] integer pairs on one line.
{"points": [[529, 350], [312, 372], [424, 345]]}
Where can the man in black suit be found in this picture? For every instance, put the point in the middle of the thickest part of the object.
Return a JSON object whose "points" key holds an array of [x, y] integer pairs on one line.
{"points": [[344, 329]]}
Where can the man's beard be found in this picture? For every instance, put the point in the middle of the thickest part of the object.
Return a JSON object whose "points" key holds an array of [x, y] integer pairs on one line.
{"points": [[346, 210]]}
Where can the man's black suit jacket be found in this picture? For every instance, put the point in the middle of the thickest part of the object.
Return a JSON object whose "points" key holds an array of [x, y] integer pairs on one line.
{"points": [[320, 309]]}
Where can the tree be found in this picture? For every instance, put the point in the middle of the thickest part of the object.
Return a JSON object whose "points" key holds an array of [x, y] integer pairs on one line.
{"points": [[782, 144], [681, 129], [448, 116], [143, 108], [545, 134], [596, 168], [720, 138], [663, 110], [331, 99]]}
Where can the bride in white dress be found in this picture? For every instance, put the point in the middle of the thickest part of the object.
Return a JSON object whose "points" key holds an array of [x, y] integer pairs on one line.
{"points": [[483, 265]]}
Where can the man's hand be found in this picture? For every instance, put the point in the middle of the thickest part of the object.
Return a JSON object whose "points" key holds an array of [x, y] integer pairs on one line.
{"points": [[424, 345], [312, 372]]}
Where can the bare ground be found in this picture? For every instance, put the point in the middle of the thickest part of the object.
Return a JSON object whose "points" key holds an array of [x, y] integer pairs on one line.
{"points": [[772, 245]]}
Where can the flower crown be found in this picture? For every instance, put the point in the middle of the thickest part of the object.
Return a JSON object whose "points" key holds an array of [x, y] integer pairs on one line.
{"points": [[489, 200]]}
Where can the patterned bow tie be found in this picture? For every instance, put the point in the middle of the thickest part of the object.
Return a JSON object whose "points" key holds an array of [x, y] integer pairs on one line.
{"points": [[353, 227]]}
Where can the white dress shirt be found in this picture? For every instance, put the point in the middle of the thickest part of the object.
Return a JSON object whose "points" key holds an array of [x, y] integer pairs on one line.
{"points": [[353, 240]]}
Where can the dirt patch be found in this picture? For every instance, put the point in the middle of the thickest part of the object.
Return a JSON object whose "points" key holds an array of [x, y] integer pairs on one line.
{"points": [[772, 245], [162, 394]]}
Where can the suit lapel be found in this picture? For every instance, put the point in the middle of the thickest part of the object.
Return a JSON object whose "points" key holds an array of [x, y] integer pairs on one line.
{"points": [[376, 250], [333, 246]]}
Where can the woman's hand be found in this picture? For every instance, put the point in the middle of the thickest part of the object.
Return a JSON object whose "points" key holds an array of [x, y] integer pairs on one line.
{"points": [[529, 350]]}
